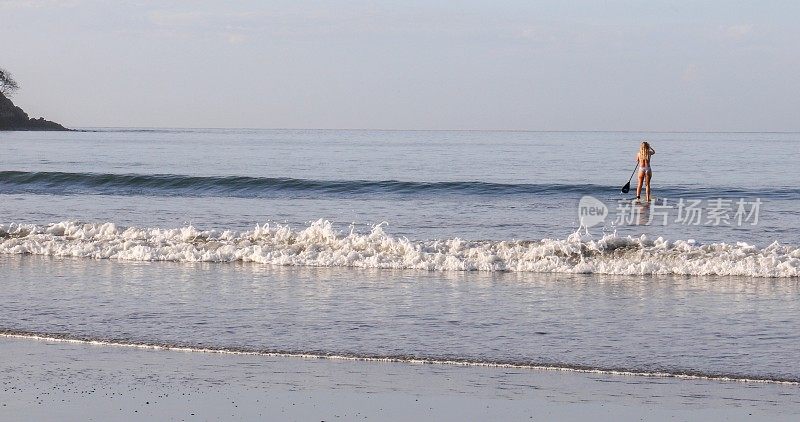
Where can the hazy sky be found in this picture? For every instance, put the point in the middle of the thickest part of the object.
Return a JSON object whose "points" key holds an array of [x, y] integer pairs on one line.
{"points": [[536, 65]]}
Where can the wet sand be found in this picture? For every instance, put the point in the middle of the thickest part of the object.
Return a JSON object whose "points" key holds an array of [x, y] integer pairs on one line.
{"points": [[46, 380]]}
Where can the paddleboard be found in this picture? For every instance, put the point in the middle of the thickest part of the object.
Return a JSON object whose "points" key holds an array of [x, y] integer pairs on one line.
{"points": [[642, 201]]}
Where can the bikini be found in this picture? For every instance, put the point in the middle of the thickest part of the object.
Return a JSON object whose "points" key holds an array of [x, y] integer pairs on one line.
{"points": [[646, 169]]}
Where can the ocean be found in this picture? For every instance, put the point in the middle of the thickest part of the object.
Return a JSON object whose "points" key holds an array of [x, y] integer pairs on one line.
{"points": [[510, 249]]}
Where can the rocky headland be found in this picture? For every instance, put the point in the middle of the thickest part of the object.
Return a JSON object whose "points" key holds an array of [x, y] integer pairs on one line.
{"points": [[14, 118]]}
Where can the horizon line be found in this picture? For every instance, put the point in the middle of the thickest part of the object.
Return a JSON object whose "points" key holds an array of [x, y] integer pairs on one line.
{"points": [[78, 128]]}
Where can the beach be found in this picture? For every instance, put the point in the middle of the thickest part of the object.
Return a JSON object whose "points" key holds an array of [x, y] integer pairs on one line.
{"points": [[57, 380]]}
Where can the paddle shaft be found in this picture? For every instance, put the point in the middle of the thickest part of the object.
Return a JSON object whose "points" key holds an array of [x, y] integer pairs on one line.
{"points": [[627, 186], [634, 172]]}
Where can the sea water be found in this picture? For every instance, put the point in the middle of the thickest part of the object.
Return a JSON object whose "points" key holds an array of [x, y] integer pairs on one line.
{"points": [[461, 247]]}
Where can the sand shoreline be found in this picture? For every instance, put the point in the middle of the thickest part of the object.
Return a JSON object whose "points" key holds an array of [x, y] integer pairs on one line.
{"points": [[24, 335], [52, 380]]}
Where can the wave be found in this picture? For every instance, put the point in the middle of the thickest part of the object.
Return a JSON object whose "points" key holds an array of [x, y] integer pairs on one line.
{"points": [[321, 245], [244, 186], [687, 374], [65, 183]]}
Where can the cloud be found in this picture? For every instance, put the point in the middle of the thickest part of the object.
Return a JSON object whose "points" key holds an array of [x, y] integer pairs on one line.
{"points": [[36, 4], [196, 18], [534, 34], [690, 73], [236, 38], [737, 32], [233, 27], [165, 18], [300, 20]]}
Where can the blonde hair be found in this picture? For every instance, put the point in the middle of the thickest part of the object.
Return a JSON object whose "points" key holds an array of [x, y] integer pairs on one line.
{"points": [[644, 150]]}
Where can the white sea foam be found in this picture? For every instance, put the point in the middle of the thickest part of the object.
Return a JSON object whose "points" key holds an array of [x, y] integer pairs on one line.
{"points": [[321, 245]]}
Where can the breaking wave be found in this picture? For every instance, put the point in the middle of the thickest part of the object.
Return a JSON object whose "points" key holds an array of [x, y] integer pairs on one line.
{"points": [[320, 244], [245, 186]]}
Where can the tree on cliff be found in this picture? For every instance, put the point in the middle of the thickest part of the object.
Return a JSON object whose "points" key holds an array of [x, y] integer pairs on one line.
{"points": [[7, 83], [13, 117]]}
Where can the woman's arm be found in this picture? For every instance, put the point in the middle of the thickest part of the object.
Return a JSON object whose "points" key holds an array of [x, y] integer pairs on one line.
{"points": [[652, 151]]}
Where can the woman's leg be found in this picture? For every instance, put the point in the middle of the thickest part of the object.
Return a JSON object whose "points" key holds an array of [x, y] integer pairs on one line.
{"points": [[639, 186], [647, 182]]}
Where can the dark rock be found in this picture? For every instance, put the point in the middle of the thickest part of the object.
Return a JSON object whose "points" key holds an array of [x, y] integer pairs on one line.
{"points": [[14, 118]]}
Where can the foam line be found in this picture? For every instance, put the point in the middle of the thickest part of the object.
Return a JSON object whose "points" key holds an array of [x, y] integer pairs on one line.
{"points": [[320, 245], [686, 375]]}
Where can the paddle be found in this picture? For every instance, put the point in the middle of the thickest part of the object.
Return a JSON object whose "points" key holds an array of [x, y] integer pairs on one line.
{"points": [[627, 186]]}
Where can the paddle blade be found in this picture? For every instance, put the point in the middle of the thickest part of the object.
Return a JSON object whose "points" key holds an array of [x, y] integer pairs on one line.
{"points": [[626, 188]]}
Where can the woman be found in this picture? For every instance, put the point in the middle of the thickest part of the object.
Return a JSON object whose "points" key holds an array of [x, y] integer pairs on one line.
{"points": [[645, 172]]}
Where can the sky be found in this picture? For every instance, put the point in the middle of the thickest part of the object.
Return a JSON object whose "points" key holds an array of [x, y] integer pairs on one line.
{"points": [[716, 65]]}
